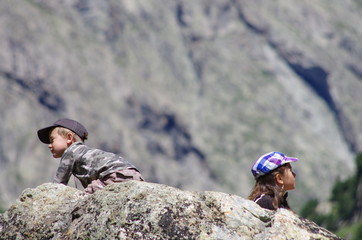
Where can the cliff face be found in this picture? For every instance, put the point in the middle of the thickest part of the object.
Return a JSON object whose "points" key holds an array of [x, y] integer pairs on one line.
{"points": [[191, 92], [139, 210]]}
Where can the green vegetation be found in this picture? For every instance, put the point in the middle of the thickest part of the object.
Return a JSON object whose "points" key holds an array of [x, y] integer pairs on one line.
{"points": [[359, 3], [351, 232], [346, 199], [2, 209]]}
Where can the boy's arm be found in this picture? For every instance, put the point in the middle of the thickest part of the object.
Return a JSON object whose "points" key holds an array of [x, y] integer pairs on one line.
{"points": [[64, 172]]}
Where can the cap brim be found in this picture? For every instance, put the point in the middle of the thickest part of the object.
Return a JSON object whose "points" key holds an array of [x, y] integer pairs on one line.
{"points": [[43, 134], [290, 160]]}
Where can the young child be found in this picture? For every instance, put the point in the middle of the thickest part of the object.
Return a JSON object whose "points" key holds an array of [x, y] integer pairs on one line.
{"points": [[93, 167], [274, 177]]}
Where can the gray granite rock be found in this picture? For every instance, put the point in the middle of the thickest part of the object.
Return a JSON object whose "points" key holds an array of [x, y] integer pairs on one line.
{"points": [[141, 210]]}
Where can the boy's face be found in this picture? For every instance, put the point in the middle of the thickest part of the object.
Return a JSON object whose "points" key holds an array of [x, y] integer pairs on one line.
{"points": [[58, 144]]}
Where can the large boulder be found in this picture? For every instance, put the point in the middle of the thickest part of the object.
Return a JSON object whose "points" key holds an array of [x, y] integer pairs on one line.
{"points": [[141, 210]]}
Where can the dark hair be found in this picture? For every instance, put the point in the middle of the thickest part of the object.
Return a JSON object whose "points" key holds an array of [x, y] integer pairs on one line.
{"points": [[267, 184]]}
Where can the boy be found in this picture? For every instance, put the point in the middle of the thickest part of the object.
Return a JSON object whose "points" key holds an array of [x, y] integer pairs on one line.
{"points": [[93, 167]]}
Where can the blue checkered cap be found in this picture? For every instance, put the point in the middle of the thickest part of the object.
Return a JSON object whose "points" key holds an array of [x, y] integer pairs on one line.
{"points": [[270, 161]]}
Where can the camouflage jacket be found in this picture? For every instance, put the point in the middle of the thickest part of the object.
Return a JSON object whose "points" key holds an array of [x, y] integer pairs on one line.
{"points": [[88, 164]]}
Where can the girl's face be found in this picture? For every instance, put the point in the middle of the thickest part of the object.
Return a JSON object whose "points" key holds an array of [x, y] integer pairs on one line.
{"points": [[288, 178], [58, 144]]}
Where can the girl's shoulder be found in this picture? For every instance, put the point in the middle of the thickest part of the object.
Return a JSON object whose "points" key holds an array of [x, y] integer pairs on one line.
{"points": [[265, 201]]}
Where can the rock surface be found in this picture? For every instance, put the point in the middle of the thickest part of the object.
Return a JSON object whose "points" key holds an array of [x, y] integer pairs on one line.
{"points": [[141, 210]]}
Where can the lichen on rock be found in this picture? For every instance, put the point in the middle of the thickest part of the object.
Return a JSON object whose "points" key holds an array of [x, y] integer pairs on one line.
{"points": [[141, 210]]}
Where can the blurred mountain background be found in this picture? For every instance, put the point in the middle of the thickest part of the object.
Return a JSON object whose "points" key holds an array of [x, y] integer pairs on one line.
{"points": [[191, 92]]}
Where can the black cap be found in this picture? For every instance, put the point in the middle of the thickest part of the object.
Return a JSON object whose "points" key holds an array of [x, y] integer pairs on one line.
{"points": [[72, 125]]}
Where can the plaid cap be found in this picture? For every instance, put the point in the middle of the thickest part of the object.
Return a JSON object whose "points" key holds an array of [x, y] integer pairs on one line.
{"points": [[269, 162], [72, 125]]}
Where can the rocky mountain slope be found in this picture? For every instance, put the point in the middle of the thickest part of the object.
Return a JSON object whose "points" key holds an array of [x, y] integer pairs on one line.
{"points": [[139, 210], [191, 92]]}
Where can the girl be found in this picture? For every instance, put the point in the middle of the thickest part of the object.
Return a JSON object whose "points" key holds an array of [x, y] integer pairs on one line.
{"points": [[274, 177]]}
